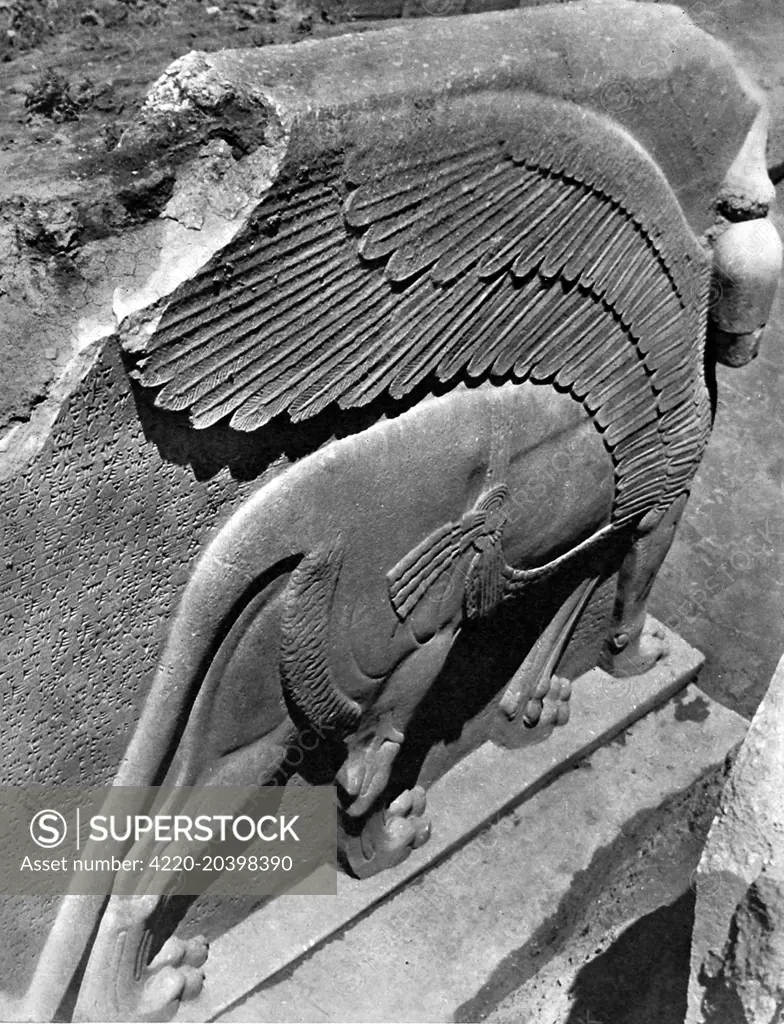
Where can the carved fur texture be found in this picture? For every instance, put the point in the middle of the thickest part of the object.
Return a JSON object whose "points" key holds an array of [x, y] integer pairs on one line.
{"points": [[304, 658]]}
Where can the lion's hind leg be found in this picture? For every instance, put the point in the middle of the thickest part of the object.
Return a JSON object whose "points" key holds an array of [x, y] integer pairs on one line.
{"points": [[535, 688], [629, 649]]}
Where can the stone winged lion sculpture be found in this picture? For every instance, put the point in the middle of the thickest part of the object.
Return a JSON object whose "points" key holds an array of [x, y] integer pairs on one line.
{"points": [[511, 268]]}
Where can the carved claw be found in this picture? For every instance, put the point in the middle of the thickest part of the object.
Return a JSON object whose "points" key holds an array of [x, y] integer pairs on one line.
{"points": [[176, 975], [365, 772], [410, 801], [118, 987], [391, 834], [625, 655], [549, 704]]}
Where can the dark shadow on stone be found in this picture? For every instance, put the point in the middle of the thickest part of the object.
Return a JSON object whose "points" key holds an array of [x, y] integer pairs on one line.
{"points": [[720, 1003], [65, 1010], [696, 710], [248, 454], [461, 691], [458, 708], [643, 977]]}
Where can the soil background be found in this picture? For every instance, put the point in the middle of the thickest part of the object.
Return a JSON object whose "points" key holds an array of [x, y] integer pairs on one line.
{"points": [[73, 77]]}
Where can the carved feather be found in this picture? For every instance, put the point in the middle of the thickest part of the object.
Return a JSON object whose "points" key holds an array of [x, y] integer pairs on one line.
{"points": [[547, 247]]}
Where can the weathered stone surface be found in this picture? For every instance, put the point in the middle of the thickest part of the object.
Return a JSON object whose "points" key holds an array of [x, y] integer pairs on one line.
{"points": [[257, 149], [562, 873], [738, 943], [113, 216], [753, 28], [479, 789]]}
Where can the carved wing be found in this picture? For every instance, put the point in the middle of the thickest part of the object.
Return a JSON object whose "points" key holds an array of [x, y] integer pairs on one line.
{"points": [[548, 247]]}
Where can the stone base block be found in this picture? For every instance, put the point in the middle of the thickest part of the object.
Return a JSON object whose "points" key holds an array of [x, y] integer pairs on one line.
{"points": [[518, 832]]}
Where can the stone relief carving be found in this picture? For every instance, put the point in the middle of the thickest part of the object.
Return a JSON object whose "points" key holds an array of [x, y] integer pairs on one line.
{"points": [[515, 270]]}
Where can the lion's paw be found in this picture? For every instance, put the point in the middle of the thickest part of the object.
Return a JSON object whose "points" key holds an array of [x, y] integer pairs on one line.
{"points": [[391, 834], [175, 976], [626, 656], [549, 704]]}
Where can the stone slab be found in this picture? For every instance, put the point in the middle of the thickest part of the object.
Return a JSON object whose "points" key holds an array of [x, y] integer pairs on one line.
{"points": [[477, 792], [620, 947], [737, 953], [442, 949]]}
